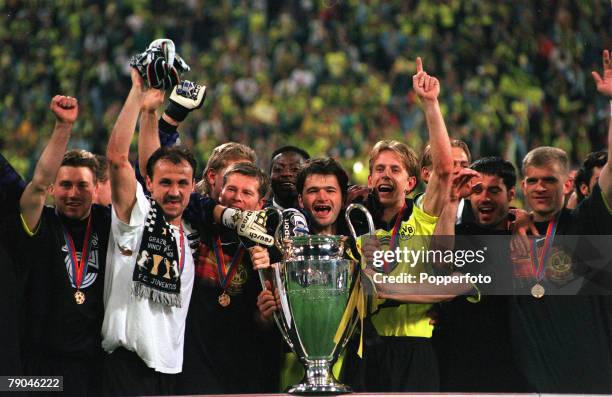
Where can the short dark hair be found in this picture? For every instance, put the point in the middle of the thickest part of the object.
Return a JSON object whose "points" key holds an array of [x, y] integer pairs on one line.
{"points": [[250, 170], [174, 154], [579, 179], [289, 148], [320, 166], [498, 167], [592, 160], [81, 158], [102, 173]]}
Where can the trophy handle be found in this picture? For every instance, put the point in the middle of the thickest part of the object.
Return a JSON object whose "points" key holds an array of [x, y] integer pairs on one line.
{"points": [[277, 243], [279, 319], [347, 212]]}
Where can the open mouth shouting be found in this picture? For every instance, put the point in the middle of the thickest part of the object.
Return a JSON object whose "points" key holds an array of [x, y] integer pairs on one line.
{"points": [[321, 210], [385, 189], [486, 209]]}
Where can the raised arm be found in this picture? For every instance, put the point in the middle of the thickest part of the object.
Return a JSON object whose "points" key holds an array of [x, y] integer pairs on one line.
{"points": [[438, 189], [148, 138], [186, 97], [123, 180], [604, 85], [66, 110]]}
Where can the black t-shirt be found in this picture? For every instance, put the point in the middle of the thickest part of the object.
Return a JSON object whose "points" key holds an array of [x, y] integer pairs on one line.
{"points": [[472, 339], [11, 187], [10, 311], [54, 323], [563, 344], [224, 347]]}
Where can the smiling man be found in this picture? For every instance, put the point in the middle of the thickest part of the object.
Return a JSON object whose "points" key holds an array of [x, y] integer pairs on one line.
{"points": [[286, 162], [61, 253], [224, 300], [400, 356], [562, 342], [472, 336], [550, 318], [492, 192], [225, 287], [322, 185], [151, 269]]}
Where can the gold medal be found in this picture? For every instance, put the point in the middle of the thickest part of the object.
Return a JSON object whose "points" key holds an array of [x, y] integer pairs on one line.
{"points": [[537, 291], [79, 297], [224, 299]]}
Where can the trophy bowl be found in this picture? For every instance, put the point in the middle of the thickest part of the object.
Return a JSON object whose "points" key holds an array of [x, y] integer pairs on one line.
{"points": [[313, 285]]}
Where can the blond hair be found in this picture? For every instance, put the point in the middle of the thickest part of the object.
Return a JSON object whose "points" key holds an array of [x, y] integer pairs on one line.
{"points": [[407, 155], [230, 151], [426, 157], [544, 155]]}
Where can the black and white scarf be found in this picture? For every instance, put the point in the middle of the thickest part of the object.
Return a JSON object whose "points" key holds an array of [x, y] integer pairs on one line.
{"points": [[157, 274]]}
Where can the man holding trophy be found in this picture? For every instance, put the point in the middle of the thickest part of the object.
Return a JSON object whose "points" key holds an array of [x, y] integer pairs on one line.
{"points": [[398, 355], [322, 192]]}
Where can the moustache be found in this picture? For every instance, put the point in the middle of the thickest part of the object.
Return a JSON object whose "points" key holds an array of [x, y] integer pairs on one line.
{"points": [[169, 199]]}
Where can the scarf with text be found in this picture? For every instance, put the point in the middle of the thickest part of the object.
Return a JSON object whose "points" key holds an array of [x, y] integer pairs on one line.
{"points": [[157, 274]]}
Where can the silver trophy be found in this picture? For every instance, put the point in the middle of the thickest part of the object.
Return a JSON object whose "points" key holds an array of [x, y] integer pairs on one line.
{"points": [[312, 286]]}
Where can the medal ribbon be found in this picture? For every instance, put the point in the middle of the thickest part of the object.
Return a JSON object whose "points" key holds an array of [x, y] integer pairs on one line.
{"points": [[539, 264], [394, 237], [79, 269], [226, 275]]}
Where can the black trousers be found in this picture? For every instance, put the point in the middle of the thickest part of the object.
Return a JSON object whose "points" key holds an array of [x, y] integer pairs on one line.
{"points": [[81, 376], [125, 374], [392, 364]]}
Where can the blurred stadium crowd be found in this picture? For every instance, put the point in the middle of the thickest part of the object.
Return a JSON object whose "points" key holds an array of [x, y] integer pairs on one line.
{"points": [[330, 76]]}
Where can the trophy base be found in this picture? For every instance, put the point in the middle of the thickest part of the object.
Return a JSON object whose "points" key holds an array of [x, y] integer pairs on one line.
{"points": [[312, 389]]}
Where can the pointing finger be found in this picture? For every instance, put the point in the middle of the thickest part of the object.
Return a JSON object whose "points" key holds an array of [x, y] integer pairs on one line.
{"points": [[419, 64]]}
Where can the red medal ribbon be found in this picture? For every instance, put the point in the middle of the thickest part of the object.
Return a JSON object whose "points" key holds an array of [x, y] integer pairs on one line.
{"points": [[226, 275], [394, 237], [539, 264], [79, 268]]}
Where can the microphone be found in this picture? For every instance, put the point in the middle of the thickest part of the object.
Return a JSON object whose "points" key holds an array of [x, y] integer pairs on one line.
{"points": [[293, 224]]}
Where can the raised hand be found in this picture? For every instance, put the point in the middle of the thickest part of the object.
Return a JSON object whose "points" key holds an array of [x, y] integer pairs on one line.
{"points": [[152, 99], [138, 82], [426, 87], [604, 84], [65, 108], [357, 193], [462, 184]]}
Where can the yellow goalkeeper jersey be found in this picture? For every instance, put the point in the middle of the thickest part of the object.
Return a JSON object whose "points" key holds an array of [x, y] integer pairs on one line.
{"points": [[408, 319]]}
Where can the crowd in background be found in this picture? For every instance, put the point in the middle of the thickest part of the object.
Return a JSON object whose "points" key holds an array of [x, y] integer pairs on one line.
{"points": [[330, 76]]}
